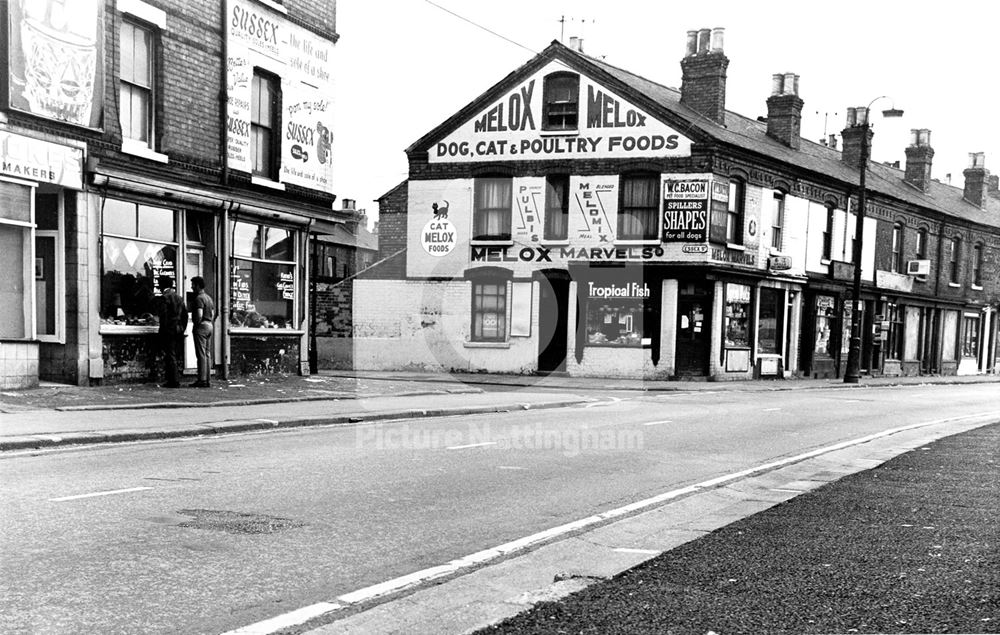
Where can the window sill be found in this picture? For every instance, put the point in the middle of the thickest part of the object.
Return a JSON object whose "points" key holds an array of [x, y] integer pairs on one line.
{"points": [[491, 243], [977, 287], [825, 261], [263, 182], [274, 5], [487, 344], [139, 149], [954, 285], [736, 247], [556, 242], [559, 133], [611, 345], [127, 329], [239, 330], [775, 252], [632, 242]]}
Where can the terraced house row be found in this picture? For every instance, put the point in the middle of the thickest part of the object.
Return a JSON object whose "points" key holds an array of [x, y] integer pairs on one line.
{"points": [[162, 138], [580, 218]]}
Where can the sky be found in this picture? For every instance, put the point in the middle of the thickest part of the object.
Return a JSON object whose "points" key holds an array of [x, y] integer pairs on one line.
{"points": [[405, 66]]}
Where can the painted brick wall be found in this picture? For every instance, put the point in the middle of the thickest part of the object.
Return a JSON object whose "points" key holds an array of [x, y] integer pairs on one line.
{"points": [[391, 236], [334, 306]]}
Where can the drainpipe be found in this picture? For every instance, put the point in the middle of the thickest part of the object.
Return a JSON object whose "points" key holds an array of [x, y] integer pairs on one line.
{"points": [[224, 103], [311, 287], [225, 292]]}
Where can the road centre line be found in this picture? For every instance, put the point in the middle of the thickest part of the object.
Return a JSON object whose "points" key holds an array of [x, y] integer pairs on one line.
{"points": [[521, 544], [471, 445], [93, 494]]}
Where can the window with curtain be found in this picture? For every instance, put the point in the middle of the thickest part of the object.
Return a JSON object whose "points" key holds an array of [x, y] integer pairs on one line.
{"points": [[977, 265], [777, 220], [556, 207], [954, 251], [561, 95], [489, 310], [639, 218], [734, 213], [493, 208], [265, 104], [896, 265], [828, 233], [262, 277], [135, 102]]}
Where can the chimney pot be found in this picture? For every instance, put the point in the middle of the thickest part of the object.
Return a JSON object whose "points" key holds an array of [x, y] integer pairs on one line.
{"points": [[704, 40], [852, 117], [977, 160], [789, 86], [833, 141], [993, 185], [777, 81], [718, 35], [692, 43]]}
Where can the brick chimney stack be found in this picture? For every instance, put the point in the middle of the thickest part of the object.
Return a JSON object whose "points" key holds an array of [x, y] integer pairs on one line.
{"points": [[857, 125], [976, 179], [918, 159], [784, 110], [703, 74]]}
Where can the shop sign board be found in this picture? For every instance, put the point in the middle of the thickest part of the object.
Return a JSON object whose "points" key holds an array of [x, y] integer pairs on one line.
{"points": [[56, 65], [37, 160], [512, 128], [622, 290], [779, 263], [259, 37], [685, 210]]}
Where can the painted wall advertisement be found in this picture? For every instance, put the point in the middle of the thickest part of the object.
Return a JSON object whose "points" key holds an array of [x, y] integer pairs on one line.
{"points": [[56, 54], [511, 129], [260, 38]]}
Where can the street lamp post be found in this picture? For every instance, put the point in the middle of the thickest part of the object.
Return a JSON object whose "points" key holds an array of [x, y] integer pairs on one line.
{"points": [[852, 374]]}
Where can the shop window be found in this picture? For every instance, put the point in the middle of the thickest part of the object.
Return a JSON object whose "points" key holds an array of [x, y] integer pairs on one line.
{"points": [[771, 320], [911, 347], [638, 217], [136, 96], [828, 233], [265, 104], [977, 264], [556, 207], [16, 234], [826, 321], [921, 246], [561, 97], [262, 282], [489, 310], [736, 322], [139, 246], [778, 221], [493, 208], [970, 336], [949, 336], [734, 212], [619, 322], [954, 252], [896, 266]]}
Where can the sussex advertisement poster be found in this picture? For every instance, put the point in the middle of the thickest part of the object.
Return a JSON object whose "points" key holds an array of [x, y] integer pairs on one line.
{"points": [[260, 38]]}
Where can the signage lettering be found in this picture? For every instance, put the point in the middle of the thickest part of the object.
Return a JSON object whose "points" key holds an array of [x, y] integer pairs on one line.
{"points": [[733, 256], [255, 26], [604, 111], [518, 117], [685, 210], [544, 254], [627, 290]]}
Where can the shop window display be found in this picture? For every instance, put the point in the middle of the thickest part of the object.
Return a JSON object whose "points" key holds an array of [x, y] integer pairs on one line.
{"points": [[262, 279], [618, 323], [737, 317], [138, 247]]}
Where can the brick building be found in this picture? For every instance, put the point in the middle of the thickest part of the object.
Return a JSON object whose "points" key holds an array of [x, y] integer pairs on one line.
{"points": [[580, 218], [143, 139]]}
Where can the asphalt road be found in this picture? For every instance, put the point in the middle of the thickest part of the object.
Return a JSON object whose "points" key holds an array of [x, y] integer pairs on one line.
{"points": [[207, 535]]}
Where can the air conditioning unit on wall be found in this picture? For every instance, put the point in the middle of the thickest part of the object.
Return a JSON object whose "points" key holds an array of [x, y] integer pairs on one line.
{"points": [[918, 267]]}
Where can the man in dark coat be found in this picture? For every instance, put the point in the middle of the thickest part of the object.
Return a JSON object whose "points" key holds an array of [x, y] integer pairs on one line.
{"points": [[173, 320]]}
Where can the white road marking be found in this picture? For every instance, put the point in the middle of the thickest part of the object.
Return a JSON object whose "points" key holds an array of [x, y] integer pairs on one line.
{"points": [[93, 494], [656, 423], [510, 467], [299, 616], [455, 566], [471, 445], [771, 409], [648, 552]]}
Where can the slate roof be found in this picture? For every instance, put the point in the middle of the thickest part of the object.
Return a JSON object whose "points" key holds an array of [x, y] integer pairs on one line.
{"points": [[750, 134]]}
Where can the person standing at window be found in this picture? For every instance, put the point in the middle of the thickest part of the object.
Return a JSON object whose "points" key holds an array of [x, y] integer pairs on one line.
{"points": [[173, 320], [203, 314]]}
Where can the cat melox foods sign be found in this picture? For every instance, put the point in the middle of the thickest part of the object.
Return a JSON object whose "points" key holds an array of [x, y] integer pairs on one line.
{"points": [[512, 128]]}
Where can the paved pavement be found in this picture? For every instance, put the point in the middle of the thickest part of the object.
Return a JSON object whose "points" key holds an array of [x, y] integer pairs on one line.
{"points": [[56, 415]]}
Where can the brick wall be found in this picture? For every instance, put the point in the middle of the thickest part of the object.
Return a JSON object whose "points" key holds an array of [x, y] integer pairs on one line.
{"points": [[391, 236], [129, 358], [253, 355], [334, 305]]}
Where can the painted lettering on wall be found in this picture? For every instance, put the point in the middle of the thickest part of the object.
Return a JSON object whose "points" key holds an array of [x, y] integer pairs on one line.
{"points": [[733, 256], [547, 254], [604, 111]]}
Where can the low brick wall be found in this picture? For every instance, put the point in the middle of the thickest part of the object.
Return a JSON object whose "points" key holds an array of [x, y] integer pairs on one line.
{"points": [[264, 354]]}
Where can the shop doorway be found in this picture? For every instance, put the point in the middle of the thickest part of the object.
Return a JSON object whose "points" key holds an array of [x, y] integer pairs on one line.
{"points": [[194, 265], [694, 331], [553, 318]]}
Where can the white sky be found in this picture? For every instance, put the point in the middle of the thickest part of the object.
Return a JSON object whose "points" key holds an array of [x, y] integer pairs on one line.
{"points": [[405, 66]]}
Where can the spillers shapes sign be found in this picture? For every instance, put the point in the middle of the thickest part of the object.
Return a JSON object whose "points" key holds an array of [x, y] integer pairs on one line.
{"points": [[685, 210], [515, 128]]}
